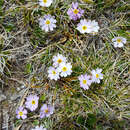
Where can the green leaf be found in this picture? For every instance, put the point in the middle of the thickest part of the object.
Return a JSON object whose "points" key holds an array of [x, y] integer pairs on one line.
{"points": [[35, 122], [43, 97], [9, 27], [1, 3], [91, 120], [88, 1], [80, 120], [17, 122], [28, 68]]}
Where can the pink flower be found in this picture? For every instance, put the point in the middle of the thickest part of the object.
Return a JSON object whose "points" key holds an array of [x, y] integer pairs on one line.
{"points": [[85, 81], [32, 102], [74, 12], [46, 111], [21, 112]]}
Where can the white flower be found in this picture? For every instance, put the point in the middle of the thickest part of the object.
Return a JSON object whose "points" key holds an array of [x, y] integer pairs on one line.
{"points": [[65, 69], [85, 81], [97, 75], [32, 102], [58, 59], [88, 26], [119, 41], [47, 23], [53, 73], [45, 3], [84, 26], [94, 26], [39, 128]]}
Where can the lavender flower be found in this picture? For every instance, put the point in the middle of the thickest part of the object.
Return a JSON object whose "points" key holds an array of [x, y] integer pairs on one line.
{"points": [[85, 81], [21, 112], [46, 111], [74, 12], [32, 102], [47, 23]]}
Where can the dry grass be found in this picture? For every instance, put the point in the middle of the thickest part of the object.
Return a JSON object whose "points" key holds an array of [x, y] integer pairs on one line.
{"points": [[26, 53]]}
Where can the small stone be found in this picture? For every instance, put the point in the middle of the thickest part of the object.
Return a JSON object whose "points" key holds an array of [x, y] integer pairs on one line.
{"points": [[22, 86], [18, 89]]}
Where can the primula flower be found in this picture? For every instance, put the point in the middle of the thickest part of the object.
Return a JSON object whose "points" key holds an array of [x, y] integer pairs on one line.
{"points": [[97, 75], [21, 113], [32, 102], [47, 23], [74, 12], [53, 73], [85, 81], [88, 26], [45, 3], [46, 111], [39, 128], [58, 59], [84, 26], [119, 41], [65, 69]]}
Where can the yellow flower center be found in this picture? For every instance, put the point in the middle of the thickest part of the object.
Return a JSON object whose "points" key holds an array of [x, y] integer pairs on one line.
{"points": [[84, 81], [46, 111], [53, 72], [33, 102], [75, 11], [59, 60], [64, 69], [84, 27], [48, 22], [97, 75], [118, 40], [44, 1], [20, 113]]}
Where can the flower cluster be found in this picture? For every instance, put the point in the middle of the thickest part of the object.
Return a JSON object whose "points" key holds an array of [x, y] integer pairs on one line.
{"points": [[61, 68], [48, 23], [87, 80], [32, 104]]}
